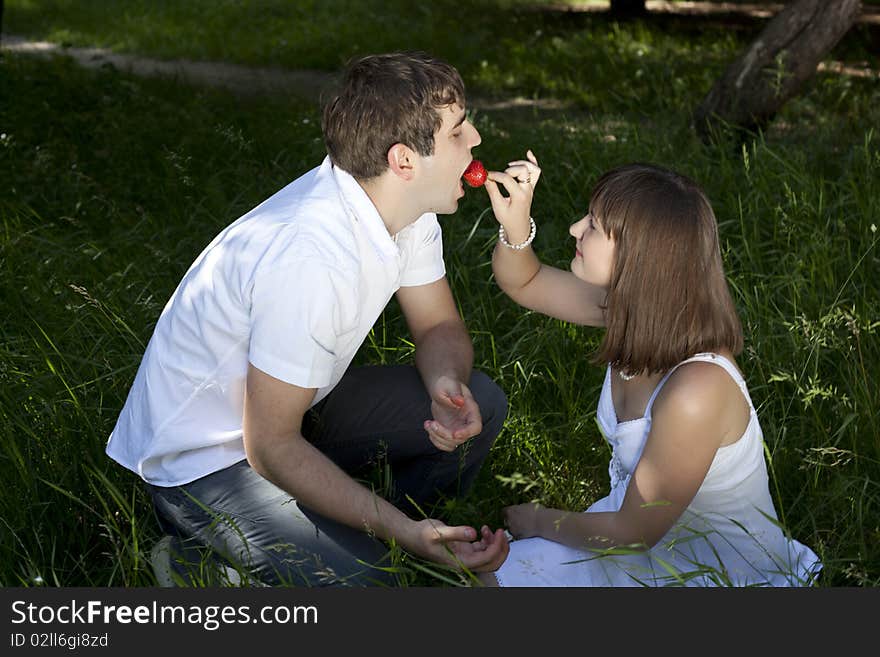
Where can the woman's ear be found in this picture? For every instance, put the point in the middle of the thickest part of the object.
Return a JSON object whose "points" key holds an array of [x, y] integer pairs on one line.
{"points": [[401, 161]]}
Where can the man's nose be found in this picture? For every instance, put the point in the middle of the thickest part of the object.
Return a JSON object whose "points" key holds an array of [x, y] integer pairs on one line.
{"points": [[476, 140]]}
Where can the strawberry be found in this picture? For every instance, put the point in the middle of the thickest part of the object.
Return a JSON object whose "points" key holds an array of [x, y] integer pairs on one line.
{"points": [[475, 174]]}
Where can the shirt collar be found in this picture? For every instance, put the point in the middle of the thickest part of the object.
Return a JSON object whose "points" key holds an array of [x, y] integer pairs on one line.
{"points": [[364, 212]]}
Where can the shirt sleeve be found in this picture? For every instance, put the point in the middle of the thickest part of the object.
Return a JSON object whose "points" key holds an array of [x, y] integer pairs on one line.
{"points": [[297, 319], [425, 262]]}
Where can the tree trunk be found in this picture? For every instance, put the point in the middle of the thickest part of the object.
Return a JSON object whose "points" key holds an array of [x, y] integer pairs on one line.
{"points": [[776, 65], [628, 8]]}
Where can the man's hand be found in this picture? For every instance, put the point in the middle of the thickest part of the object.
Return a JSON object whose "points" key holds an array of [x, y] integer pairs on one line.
{"points": [[456, 415], [456, 546]]}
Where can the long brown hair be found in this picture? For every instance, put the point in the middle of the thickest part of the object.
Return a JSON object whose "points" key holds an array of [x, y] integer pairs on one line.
{"points": [[668, 298], [385, 100]]}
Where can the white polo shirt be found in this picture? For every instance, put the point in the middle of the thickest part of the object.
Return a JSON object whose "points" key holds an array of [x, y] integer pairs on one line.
{"points": [[294, 287]]}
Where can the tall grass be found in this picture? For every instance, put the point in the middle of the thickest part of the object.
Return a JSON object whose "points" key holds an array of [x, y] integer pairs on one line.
{"points": [[113, 184]]}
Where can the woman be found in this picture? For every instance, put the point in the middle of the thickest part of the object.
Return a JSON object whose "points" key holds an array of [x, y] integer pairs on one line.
{"points": [[689, 501]]}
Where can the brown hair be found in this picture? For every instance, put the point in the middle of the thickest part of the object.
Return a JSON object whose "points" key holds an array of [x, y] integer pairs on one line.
{"points": [[384, 100], [668, 298]]}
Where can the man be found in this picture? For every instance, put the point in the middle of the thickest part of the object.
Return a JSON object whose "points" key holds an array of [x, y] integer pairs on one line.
{"points": [[245, 419]]}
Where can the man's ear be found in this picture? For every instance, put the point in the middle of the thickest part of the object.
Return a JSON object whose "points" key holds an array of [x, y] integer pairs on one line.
{"points": [[402, 161]]}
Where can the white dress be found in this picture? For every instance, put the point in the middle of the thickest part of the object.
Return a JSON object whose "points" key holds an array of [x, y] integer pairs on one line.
{"points": [[728, 535]]}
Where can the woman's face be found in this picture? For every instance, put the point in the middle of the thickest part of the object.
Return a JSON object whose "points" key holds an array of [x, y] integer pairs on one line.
{"points": [[594, 252]]}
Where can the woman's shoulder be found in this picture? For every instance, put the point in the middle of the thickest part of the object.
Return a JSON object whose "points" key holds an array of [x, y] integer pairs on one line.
{"points": [[705, 376], [696, 383], [702, 391]]}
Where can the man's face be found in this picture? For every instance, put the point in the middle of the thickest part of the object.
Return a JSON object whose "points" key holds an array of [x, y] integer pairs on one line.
{"points": [[440, 173]]}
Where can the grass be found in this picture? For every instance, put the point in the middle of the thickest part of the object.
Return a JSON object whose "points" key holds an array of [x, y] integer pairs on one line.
{"points": [[502, 47], [112, 185]]}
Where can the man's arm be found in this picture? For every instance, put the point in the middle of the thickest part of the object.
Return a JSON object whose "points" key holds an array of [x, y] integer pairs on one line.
{"points": [[444, 358], [276, 449], [443, 345]]}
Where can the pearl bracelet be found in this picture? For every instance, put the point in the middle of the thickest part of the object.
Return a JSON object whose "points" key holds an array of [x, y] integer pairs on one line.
{"points": [[503, 238]]}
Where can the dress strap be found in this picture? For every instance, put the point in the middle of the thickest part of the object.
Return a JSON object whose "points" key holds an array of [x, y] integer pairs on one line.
{"points": [[705, 357], [605, 415]]}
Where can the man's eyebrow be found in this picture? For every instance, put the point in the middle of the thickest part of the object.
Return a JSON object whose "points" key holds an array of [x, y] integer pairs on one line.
{"points": [[460, 121]]}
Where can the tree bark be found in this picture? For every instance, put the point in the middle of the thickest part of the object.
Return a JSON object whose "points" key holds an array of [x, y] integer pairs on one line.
{"points": [[628, 8], [776, 65]]}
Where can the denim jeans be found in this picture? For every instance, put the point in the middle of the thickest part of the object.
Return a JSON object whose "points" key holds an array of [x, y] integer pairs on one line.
{"points": [[371, 421]]}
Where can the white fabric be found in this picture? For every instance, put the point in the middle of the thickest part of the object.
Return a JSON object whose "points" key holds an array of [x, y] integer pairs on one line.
{"points": [[728, 535], [294, 287]]}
